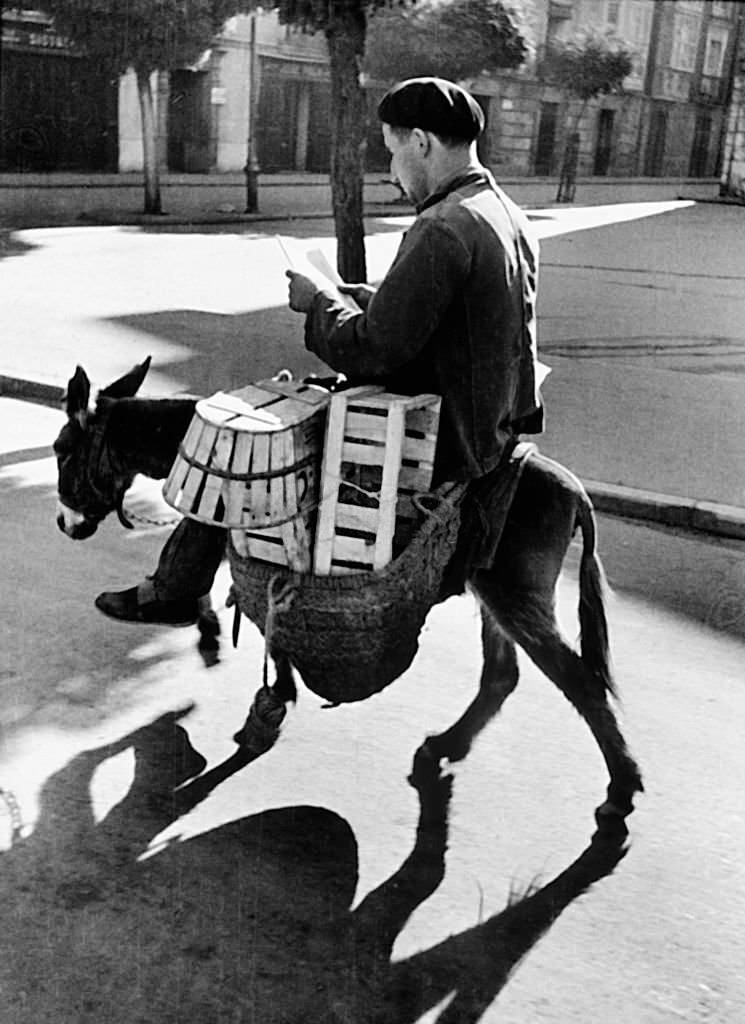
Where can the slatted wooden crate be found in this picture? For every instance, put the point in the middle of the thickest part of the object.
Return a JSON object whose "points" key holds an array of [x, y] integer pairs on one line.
{"points": [[378, 452], [250, 462], [289, 544]]}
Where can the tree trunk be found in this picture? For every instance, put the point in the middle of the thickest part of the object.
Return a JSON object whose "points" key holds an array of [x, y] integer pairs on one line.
{"points": [[568, 175], [149, 153], [345, 35]]}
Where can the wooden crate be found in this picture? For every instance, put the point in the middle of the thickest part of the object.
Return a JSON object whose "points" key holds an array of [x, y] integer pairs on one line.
{"points": [[289, 544], [250, 461], [378, 452]]}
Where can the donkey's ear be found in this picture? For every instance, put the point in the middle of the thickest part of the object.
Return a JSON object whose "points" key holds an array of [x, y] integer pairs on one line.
{"points": [[128, 385], [77, 395]]}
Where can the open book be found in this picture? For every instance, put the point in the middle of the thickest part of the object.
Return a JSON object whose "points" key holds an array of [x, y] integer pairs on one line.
{"points": [[313, 264]]}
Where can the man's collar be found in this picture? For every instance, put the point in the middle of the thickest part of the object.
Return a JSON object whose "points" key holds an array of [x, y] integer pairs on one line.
{"points": [[471, 173]]}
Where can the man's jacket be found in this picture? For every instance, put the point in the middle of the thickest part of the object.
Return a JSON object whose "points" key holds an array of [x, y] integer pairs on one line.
{"points": [[454, 316]]}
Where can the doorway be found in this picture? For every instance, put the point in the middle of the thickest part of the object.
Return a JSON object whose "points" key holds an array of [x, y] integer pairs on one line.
{"points": [[655, 155], [189, 122], [604, 144], [700, 148], [544, 150]]}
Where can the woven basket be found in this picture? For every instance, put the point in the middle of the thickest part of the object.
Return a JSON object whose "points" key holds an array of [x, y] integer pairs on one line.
{"points": [[351, 636]]}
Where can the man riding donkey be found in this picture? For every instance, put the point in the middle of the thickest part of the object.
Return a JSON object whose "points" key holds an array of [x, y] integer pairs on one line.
{"points": [[455, 316]]}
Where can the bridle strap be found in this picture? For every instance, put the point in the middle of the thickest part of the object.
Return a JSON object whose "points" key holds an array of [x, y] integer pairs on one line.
{"points": [[100, 451]]}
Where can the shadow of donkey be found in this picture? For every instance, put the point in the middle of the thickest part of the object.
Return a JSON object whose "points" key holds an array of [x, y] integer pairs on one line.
{"points": [[249, 921]]}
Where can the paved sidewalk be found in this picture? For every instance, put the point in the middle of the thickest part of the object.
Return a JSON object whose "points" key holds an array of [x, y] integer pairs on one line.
{"points": [[38, 200]]}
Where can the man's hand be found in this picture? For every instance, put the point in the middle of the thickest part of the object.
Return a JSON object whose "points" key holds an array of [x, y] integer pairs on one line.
{"points": [[361, 293], [302, 291]]}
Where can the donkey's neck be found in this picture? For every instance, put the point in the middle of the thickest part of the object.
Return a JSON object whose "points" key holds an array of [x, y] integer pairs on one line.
{"points": [[145, 432]]}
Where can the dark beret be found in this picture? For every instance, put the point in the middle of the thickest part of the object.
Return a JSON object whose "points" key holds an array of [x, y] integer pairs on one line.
{"points": [[434, 105]]}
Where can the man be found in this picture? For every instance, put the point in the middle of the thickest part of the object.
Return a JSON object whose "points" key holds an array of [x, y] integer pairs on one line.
{"points": [[454, 316]]}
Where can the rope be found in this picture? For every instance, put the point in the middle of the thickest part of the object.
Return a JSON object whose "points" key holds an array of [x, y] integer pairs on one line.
{"points": [[278, 600], [267, 712]]}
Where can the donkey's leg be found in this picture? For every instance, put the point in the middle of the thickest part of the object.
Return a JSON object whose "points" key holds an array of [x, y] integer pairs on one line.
{"points": [[261, 729], [528, 618], [498, 679]]}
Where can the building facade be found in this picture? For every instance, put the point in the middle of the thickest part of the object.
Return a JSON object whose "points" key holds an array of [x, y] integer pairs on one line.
{"points": [[668, 122], [58, 111], [205, 112], [270, 81]]}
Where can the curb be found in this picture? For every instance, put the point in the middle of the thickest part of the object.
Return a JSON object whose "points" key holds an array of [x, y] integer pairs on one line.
{"points": [[707, 518], [175, 219], [31, 391], [687, 514], [166, 220], [719, 200]]}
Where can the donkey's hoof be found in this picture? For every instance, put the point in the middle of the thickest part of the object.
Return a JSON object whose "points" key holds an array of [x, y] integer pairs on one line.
{"points": [[253, 744], [208, 624]]}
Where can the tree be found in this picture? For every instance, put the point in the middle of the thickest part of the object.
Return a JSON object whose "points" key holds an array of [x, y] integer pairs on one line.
{"points": [[147, 36], [345, 25], [456, 40], [583, 71]]}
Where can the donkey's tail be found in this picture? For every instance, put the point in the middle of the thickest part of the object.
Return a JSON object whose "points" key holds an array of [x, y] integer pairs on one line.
{"points": [[592, 618]]}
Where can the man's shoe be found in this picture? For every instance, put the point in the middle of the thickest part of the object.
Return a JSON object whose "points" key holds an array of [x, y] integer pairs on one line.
{"points": [[129, 606]]}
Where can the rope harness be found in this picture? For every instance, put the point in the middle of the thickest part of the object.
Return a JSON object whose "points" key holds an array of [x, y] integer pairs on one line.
{"points": [[103, 464]]}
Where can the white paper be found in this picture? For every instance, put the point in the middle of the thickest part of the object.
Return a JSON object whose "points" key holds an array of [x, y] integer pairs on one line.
{"points": [[312, 263]]}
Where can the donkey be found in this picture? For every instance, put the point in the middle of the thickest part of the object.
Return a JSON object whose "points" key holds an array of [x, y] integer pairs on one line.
{"points": [[101, 449]]}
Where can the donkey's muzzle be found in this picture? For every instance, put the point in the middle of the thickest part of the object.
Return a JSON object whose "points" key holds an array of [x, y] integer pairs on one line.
{"points": [[77, 531]]}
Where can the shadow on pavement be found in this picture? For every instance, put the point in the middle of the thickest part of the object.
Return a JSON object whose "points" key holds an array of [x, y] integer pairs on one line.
{"points": [[227, 351], [63, 665], [12, 245], [380, 220], [700, 577], [250, 921]]}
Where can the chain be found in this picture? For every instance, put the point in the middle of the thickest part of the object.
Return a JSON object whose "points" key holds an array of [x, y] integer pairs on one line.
{"points": [[14, 812], [150, 521]]}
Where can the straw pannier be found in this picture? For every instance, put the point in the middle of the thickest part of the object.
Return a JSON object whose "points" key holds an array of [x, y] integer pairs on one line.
{"points": [[351, 635]]}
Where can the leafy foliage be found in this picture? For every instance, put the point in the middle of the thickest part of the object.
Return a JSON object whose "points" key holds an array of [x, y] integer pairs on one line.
{"points": [[147, 35], [455, 39], [320, 15], [587, 69]]}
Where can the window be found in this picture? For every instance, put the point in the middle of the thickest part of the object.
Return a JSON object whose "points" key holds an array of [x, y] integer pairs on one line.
{"points": [[637, 22], [634, 28], [611, 12], [685, 42], [716, 44]]}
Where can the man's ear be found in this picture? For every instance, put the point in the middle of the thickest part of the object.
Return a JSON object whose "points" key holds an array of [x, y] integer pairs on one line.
{"points": [[422, 139]]}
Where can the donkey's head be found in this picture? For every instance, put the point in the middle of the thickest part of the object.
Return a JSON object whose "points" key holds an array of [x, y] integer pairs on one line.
{"points": [[91, 479]]}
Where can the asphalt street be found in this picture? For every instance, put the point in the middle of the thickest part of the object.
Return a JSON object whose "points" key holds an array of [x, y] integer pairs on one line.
{"points": [[658, 938], [640, 317]]}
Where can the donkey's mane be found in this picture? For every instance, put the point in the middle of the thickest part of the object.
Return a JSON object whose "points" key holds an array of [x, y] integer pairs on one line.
{"points": [[146, 432]]}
